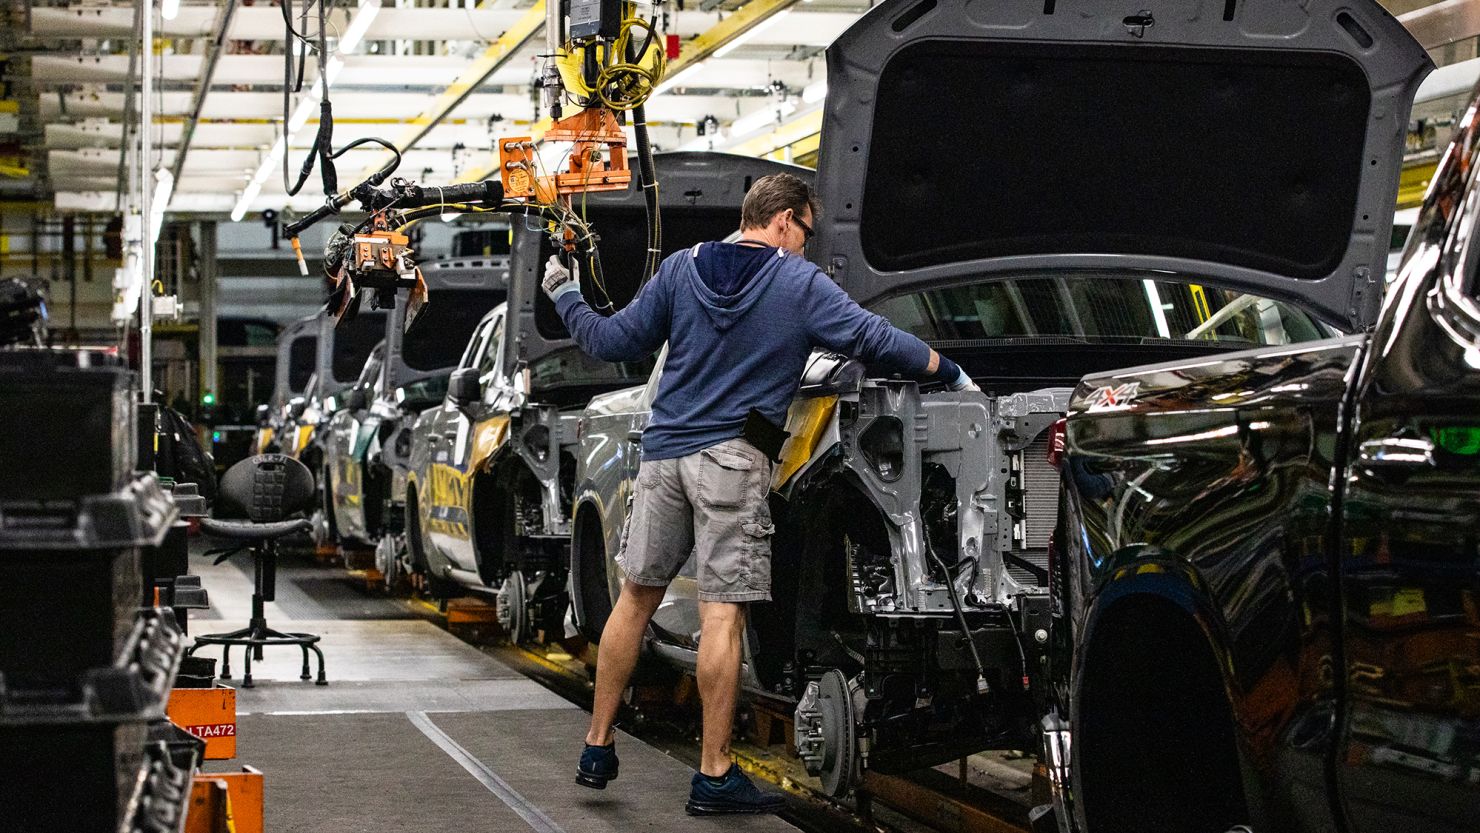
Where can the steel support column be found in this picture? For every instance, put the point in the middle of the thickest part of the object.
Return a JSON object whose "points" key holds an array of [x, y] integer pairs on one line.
{"points": [[209, 276]]}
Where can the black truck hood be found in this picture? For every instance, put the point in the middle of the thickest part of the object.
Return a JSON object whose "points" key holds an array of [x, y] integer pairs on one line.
{"points": [[1254, 144]]}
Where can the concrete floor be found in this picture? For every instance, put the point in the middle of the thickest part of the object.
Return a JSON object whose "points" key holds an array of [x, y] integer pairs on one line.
{"points": [[417, 729]]}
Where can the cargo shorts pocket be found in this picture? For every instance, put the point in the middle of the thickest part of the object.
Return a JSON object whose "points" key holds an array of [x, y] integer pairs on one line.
{"points": [[724, 478], [757, 552], [623, 539], [650, 474]]}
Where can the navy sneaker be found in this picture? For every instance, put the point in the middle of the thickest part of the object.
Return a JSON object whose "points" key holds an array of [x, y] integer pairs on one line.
{"points": [[731, 795], [598, 766]]}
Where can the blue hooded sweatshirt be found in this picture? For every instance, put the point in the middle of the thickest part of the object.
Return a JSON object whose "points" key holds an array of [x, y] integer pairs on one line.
{"points": [[730, 353]]}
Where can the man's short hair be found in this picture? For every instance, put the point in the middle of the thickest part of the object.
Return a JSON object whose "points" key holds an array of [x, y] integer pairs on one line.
{"points": [[771, 195]]}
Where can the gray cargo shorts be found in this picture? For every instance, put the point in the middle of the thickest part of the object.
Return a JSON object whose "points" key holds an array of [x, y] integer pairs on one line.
{"points": [[712, 504]]}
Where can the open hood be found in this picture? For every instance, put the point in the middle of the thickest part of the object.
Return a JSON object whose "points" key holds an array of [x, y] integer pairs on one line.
{"points": [[699, 197], [297, 359], [1252, 144], [460, 291]]}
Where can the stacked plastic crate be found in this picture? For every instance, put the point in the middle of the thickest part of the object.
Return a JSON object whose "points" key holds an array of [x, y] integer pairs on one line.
{"points": [[85, 672]]}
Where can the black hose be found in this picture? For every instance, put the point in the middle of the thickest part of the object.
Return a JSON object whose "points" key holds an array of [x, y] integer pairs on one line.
{"points": [[649, 176], [976, 659], [325, 141], [323, 146]]}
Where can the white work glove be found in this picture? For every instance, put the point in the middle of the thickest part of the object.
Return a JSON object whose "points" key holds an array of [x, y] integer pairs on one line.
{"points": [[964, 383], [560, 280]]}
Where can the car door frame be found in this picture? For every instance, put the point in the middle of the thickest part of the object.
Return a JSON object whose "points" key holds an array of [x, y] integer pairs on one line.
{"points": [[1430, 323]]}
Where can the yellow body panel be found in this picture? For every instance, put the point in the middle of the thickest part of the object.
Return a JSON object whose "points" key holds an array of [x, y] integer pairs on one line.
{"points": [[264, 437], [451, 486], [305, 433], [805, 421], [488, 437]]}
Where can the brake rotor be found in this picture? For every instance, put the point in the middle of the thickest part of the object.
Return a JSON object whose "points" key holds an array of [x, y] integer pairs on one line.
{"points": [[826, 732], [513, 608], [388, 559]]}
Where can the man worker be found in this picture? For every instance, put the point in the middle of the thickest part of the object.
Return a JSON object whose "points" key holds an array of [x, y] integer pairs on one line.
{"points": [[740, 320]]}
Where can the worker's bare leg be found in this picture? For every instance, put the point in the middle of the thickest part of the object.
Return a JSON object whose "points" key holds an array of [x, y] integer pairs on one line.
{"points": [[621, 641], [723, 625]]}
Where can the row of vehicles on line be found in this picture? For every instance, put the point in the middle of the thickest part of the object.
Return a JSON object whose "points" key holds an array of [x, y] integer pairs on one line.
{"points": [[1234, 584]]}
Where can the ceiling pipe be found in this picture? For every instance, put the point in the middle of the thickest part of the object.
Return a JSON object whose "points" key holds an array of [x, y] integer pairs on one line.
{"points": [[128, 108], [213, 54]]}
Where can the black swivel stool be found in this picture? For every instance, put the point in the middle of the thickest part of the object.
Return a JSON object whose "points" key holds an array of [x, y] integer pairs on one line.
{"points": [[259, 498]]}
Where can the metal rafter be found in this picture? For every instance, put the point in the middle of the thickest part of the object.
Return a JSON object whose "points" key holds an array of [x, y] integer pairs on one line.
{"points": [[213, 53], [492, 59]]}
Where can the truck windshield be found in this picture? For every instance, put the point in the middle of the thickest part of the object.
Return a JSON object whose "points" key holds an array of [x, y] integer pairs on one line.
{"points": [[437, 336], [1098, 309]]}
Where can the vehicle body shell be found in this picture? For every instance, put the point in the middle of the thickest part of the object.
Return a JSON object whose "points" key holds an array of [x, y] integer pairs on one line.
{"points": [[1304, 519]]}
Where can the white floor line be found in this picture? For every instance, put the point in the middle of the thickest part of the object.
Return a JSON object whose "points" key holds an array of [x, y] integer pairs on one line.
{"points": [[532, 815]]}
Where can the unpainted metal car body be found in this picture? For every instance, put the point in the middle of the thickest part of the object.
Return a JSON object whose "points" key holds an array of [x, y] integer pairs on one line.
{"points": [[492, 468], [910, 619], [1266, 577], [366, 449]]}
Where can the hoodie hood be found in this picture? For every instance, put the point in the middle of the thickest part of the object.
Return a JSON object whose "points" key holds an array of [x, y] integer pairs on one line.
{"points": [[725, 310]]}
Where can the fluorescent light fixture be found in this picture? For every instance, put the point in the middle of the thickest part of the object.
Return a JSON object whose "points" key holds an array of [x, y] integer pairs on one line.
{"points": [[164, 186], [245, 200], [764, 117], [353, 34], [745, 37], [814, 92], [169, 9], [358, 26], [305, 108], [274, 155], [686, 73]]}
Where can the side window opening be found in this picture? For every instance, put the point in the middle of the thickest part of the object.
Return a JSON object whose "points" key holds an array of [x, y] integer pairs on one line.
{"points": [[488, 357]]}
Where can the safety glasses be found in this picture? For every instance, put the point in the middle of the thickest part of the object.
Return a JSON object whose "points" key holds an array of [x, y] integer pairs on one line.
{"points": [[806, 229]]}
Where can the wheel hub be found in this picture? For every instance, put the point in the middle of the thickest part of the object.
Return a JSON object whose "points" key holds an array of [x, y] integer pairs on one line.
{"points": [[826, 732], [512, 605]]}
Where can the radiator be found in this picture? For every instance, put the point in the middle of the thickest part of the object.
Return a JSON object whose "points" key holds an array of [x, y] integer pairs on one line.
{"points": [[1040, 483]]}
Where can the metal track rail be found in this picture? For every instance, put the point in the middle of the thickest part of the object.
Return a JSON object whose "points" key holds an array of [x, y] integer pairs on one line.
{"points": [[927, 800]]}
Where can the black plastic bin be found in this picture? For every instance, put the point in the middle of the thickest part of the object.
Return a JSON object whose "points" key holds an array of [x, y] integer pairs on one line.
{"points": [[68, 424], [69, 580], [82, 761], [171, 756]]}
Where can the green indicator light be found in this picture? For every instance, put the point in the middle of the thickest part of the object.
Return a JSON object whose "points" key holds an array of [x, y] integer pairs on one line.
{"points": [[215, 436], [208, 398], [1458, 439]]}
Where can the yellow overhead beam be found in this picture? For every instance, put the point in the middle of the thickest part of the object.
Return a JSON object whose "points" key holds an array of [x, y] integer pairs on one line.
{"points": [[734, 25], [489, 168], [495, 56], [806, 128]]}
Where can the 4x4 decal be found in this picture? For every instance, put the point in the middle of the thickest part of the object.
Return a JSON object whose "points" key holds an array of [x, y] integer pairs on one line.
{"points": [[1112, 397]]}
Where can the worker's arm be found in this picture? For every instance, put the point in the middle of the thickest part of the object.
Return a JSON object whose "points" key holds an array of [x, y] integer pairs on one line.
{"points": [[838, 323], [633, 333]]}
